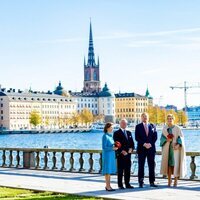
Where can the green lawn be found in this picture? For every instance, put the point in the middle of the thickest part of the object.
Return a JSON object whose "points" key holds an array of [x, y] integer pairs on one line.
{"points": [[15, 194]]}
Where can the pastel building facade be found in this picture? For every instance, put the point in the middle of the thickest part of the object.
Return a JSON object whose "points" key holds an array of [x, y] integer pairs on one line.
{"points": [[15, 109], [132, 105]]}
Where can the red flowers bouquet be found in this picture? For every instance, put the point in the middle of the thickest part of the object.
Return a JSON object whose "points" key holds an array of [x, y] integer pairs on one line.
{"points": [[170, 136], [118, 144]]}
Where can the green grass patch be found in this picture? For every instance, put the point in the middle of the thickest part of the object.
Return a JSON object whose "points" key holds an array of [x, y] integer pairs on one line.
{"points": [[18, 194]]}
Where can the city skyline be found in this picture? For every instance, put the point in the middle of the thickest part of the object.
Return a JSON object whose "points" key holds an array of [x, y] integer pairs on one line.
{"points": [[136, 48]]}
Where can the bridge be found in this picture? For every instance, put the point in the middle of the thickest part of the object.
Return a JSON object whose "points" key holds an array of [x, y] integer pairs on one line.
{"points": [[78, 172]]}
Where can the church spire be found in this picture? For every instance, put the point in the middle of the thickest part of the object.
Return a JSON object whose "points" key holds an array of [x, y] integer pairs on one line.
{"points": [[91, 57], [91, 69], [98, 61], [84, 62], [147, 92]]}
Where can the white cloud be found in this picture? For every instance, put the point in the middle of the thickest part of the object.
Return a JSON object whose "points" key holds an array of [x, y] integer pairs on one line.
{"points": [[144, 43], [127, 35]]}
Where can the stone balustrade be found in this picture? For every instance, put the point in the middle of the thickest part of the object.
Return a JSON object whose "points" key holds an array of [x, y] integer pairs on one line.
{"points": [[72, 160]]}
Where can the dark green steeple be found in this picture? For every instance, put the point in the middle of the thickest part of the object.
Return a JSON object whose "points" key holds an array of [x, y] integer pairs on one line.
{"points": [[91, 56]]}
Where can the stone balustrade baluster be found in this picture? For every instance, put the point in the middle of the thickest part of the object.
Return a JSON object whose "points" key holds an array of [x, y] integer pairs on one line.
{"points": [[100, 163], [91, 162], [18, 160], [46, 160], [30, 158], [193, 168], [11, 159], [71, 162], [37, 158], [63, 161], [4, 159], [54, 161], [81, 161]]}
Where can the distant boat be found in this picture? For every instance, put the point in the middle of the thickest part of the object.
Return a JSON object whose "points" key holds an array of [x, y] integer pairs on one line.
{"points": [[100, 126]]}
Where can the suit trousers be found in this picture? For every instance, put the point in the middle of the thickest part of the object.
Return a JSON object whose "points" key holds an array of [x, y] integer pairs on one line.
{"points": [[124, 168], [150, 155]]}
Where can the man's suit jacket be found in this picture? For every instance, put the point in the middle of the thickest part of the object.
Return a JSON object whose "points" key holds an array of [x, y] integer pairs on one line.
{"points": [[141, 137], [126, 142]]}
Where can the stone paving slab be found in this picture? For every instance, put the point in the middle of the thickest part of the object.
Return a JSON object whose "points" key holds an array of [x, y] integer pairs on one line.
{"points": [[93, 185]]}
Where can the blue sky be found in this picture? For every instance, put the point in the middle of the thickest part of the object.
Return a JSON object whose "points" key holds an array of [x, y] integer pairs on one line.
{"points": [[139, 43]]}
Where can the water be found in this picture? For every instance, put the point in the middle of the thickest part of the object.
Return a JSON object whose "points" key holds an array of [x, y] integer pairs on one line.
{"points": [[90, 140]]}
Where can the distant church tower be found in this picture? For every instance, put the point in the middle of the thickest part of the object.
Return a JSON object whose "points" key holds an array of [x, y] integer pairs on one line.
{"points": [[91, 69]]}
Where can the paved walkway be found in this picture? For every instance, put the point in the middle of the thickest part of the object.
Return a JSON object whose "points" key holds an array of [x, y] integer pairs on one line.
{"points": [[93, 185]]}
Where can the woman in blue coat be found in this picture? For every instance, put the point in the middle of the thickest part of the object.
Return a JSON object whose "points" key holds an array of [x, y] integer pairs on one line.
{"points": [[108, 155]]}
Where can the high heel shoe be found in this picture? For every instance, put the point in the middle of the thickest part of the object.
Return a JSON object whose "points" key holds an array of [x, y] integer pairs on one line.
{"points": [[169, 182], [109, 190], [175, 182]]}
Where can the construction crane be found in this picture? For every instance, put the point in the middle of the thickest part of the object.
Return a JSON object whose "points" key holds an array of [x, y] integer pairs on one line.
{"points": [[185, 87]]}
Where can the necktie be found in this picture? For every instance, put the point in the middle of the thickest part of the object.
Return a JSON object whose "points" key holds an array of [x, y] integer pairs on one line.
{"points": [[146, 129], [125, 134]]}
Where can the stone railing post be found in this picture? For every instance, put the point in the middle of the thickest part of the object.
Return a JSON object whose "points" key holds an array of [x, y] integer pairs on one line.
{"points": [[4, 159], [193, 168], [37, 159], [11, 159], [18, 159], [100, 163], [63, 161], [81, 161], [28, 159], [91, 162], [46, 160], [71, 162], [54, 160]]}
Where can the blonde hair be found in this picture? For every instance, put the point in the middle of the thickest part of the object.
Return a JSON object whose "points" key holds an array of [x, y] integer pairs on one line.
{"points": [[171, 115]]}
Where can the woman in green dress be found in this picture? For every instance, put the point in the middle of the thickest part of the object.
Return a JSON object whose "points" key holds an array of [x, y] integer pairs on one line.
{"points": [[173, 151]]}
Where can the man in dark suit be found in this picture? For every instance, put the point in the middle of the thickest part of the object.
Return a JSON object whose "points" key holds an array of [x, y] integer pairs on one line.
{"points": [[146, 136], [124, 154]]}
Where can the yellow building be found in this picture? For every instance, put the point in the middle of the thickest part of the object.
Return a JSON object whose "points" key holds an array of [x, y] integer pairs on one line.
{"points": [[131, 106]]}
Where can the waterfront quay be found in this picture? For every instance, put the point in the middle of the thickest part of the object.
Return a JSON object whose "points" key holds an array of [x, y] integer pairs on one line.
{"points": [[78, 171], [90, 184]]}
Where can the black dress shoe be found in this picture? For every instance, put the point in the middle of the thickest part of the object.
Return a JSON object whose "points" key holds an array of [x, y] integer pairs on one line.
{"points": [[153, 185], [121, 188], [129, 187], [109, 190]]}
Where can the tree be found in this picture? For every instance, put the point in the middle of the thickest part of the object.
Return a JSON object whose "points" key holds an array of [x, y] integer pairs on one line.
{"points": [[35, 118], [182, 118], [86, 116], [152, 114], [98, 118], [158, 115], [75, 118]]}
